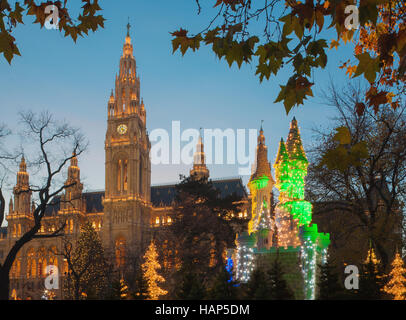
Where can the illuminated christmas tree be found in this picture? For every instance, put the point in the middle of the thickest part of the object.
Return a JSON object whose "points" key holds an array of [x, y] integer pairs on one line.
{"points": [[123, 290], [245, 256], [286, 225], [299, 208], [370, 287], [151, 275], [397, 283]]}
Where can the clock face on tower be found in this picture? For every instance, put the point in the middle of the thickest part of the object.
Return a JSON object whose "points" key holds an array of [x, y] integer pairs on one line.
{"points": [[122, 129]]}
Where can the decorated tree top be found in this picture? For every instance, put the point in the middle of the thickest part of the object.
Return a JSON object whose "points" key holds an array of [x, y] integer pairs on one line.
{"points": [[294, 143]]}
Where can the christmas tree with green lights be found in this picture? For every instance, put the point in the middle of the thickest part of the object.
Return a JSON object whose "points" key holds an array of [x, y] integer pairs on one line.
{"points": [[296, 168]]}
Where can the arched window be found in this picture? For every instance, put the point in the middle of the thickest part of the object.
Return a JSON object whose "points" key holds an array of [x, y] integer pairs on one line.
{"points": [[53, 261], [65, 266], [120, 252], [140, 176], [122, 175], [125, 175], [42, 262], [31, 265], [119, 169], [71, 226]]}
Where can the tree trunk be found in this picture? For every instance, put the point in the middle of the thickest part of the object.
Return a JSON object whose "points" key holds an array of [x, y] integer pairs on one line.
{"points": [[77, 290], [4, 284]]}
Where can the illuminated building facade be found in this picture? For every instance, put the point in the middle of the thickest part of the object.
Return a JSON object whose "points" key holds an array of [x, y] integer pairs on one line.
{"points": [[124, 214]]}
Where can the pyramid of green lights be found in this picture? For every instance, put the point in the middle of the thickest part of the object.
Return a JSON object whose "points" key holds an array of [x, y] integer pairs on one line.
{"points": [[290, 172]]}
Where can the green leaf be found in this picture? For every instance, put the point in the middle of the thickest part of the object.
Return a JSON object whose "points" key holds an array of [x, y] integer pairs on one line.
{"points": [[367, 66]]}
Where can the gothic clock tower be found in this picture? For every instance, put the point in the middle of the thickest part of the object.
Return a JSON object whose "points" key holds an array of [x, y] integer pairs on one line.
{"points": [[128, 167]]}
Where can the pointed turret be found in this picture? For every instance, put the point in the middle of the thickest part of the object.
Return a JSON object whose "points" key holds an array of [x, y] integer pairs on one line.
{"points": [[73, 191], [282, 170], [22, 193], [282, 154], [263, 168], [199, 164], [260, 185]]}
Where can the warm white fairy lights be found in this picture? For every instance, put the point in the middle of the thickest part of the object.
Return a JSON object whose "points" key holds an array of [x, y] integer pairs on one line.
{"points": [[308, 262], [245, 263]]}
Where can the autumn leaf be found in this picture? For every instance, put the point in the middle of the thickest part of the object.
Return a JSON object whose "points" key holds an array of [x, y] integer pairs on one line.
{"points": [[334, 44], [351, 70], [367, 66], [343, 135], [375, 99], [360, 108]]}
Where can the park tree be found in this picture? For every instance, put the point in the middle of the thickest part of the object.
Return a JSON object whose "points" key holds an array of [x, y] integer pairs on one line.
{"points": [[329, 282], [279, 288], [396, 285], [190, 285], [223, 288], [203, 227], [49, 145], [54, 14], [88, 270], [295, 35], [150, 269], [371, 278], [140, 291], [258, 286], [357, 177]]}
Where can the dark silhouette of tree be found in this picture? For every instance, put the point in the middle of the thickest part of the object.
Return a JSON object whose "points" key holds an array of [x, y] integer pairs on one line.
{"points": [[258, 286], [279, 289], [223, 288], [357, 178], [57, 143], [140, 291], [371, 278], [191, 286], [328, 282], [204, 226]]}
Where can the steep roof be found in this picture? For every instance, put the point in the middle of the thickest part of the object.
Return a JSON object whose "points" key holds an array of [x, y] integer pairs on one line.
{"points": [[161, 195]]}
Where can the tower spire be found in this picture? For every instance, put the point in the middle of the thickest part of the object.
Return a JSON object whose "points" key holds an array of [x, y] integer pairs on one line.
{"points": [[125, 100], [128, 27], [199, 165], [263, 168]]}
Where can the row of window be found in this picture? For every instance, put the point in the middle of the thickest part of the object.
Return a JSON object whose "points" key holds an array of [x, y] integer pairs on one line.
{"points": [[17, 229], [163, 220]]}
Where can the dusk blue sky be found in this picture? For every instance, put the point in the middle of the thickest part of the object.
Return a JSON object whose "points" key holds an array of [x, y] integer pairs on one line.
{"points": [[74, 81]]}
